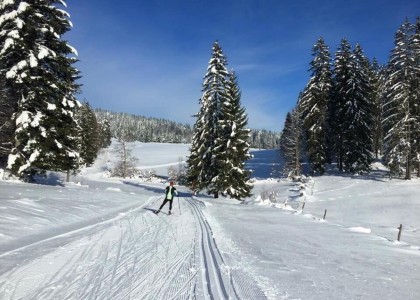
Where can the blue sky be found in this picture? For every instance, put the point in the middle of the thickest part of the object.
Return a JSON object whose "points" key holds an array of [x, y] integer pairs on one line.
{"points": [[149, 57]]}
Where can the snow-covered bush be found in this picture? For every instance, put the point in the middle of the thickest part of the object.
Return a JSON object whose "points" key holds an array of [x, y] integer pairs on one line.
{"points": [[271, 194], [147, 175], [179, 173]]}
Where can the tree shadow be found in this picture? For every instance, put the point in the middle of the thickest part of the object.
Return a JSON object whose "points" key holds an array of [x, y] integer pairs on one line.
{"points": [[156, 190], [51, 179]]}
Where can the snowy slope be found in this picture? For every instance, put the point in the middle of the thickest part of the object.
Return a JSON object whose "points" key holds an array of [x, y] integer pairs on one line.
{"points": [[97, 237]]}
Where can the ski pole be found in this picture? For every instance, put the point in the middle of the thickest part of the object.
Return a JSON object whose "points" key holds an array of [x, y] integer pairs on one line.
{"points": [[179, 207]]}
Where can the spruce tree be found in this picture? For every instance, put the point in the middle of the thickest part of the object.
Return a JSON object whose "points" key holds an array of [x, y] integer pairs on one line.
{"points": [[7, 109], [38, 66], [89, 134], [219, 146], [342, 83], [357, 141], [232, 145], [376, 78], [313, 106], [204, 159], [351, 110], [401, 103], [291, 143], [414, 43], [105, 135]]}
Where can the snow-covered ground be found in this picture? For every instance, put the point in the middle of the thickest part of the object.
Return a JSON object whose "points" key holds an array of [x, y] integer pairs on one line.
{"points": [[97, 237]]}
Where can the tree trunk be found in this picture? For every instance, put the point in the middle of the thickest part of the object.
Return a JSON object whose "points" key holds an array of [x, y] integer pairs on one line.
{"points": [[408, 169], [216, 195], [418, 170]]}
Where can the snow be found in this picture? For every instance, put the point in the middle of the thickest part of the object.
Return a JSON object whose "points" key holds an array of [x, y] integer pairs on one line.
{"points": [[23, 119], [19, 23], [97, 237], [59, 145], [51, 106], [4, 3], [73, 50], [7, 44], [36, 119], [43, 52], [23, 6], [33, 62]]}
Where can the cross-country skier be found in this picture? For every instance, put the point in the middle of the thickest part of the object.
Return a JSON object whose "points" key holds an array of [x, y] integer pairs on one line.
{"points": [[169, 197]]}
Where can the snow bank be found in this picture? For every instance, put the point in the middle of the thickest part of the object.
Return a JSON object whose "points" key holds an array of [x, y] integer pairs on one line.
{"points": [[360, 229]]}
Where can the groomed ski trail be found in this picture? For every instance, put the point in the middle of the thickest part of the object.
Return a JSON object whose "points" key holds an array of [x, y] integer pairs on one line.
{"points": [[138, 255], [218, 280]]}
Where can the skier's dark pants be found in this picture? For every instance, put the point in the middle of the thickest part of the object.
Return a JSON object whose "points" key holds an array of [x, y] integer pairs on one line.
{"points": [[164, 202]]}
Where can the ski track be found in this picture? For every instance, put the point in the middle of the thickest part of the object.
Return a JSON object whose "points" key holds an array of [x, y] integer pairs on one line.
{"points": [[218, 280], [138, 255]]}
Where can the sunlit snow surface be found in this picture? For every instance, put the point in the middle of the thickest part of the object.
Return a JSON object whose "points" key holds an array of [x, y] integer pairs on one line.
{"points": [[97, 237]]}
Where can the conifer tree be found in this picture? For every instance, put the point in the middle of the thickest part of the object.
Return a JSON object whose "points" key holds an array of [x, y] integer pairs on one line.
{"points": [[358, 142], [40, 79], [89, 134], [7, 109], [341, 85], [291, 143], [351, 118], [401, 119], [313, 106], [219, 146], [376, 78], [232, 145], [203, 162], [105, 133], [415, 84]]}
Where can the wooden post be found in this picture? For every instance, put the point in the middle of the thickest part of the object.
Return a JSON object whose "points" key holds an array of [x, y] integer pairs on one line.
{"points": [[325, 213], [399, 232]]}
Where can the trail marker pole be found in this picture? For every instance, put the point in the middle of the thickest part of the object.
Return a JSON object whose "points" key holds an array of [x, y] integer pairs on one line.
{"points": [[399, 232]]}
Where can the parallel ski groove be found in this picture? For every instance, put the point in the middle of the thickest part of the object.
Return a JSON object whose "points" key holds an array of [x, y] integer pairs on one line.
{"points": [[211, 258]]}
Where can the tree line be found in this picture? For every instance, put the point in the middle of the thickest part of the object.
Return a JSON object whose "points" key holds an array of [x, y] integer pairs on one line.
{"points": [[148, 129], [354, 110]]}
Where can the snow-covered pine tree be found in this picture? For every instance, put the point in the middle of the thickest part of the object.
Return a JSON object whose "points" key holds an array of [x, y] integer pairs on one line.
{"points": [[7, 109], [291, 143], [357, 141], [342, 77], [415, 84], [313, 106], [203, 162], [89, 134], [376, 77], [352, 109], [232, 145], [105, 133], [41, 81], [401, 103]]}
